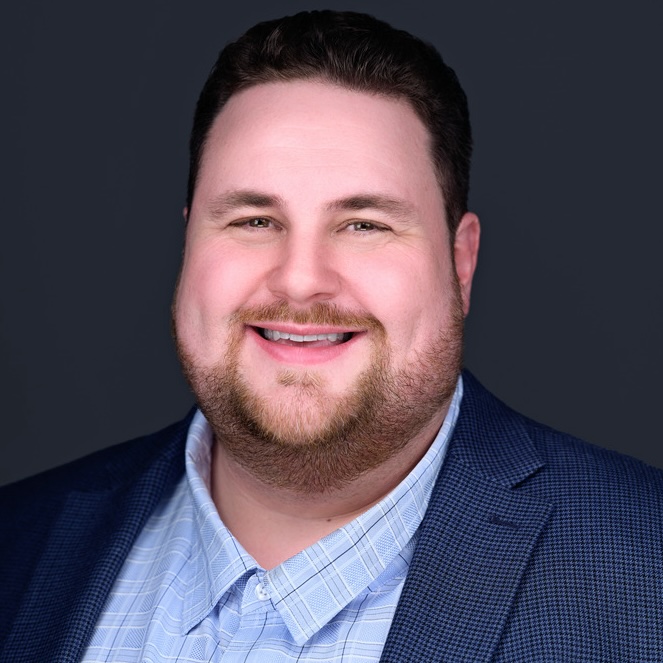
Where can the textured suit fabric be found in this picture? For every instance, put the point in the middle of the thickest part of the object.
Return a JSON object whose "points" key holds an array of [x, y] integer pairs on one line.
{"points": [[535, 547]]}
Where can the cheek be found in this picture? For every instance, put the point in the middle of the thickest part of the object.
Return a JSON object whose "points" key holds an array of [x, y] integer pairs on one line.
{"points": [[216, 280], [209, 290], [411, 297]]}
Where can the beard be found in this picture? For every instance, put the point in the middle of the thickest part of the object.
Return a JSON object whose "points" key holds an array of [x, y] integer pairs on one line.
{"points": [[313, 442]]}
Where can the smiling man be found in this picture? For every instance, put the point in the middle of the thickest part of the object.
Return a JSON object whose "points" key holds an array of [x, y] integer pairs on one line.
{"points": [[343, 491], [319, 310]]}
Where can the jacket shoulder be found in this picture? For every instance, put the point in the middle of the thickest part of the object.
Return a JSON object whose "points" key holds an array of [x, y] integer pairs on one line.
{"points": [[496, 438], [105, 468], [81, 506], [576, 468]]}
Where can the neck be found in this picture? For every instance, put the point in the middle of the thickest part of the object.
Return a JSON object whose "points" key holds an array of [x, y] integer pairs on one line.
{"points": [[274, 523]]}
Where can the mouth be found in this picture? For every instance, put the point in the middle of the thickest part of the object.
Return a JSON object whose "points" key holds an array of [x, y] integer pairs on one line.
{"points": [[304, 340]]}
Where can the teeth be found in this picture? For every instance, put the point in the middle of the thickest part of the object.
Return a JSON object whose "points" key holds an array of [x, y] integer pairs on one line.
{"points": [[274, 335]]}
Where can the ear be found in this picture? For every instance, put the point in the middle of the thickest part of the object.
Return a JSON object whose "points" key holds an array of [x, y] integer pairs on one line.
{"points": [[466, 251], [185, 214]]}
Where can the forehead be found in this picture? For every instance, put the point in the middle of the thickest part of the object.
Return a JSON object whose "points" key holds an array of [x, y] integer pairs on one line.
{"points": [[270, 132]]}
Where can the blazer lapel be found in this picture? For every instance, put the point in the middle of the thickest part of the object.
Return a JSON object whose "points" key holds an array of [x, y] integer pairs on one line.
{"points": [[474, 542]]}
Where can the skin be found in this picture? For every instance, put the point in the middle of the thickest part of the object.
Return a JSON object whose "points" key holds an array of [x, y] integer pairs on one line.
{"points": [[313, 198]]}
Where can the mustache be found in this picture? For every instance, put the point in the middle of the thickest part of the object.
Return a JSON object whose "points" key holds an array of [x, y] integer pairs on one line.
{"points": [[320, 313]]}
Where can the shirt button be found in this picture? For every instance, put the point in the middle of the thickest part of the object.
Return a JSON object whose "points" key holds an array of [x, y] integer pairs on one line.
{"points": [[261, 592]]}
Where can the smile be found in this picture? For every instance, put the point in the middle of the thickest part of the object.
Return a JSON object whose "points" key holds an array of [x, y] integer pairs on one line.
{"points": [[273, 335]]}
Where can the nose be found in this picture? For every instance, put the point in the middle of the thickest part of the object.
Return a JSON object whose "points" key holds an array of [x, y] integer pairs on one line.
{"points": [[304, 271]]}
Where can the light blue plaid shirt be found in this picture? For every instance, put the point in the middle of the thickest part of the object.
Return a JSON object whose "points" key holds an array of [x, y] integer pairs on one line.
{"points": [[188, 591]]}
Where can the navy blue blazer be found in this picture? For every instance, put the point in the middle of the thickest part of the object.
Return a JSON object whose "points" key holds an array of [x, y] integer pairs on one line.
{"points": [[535, 547]]}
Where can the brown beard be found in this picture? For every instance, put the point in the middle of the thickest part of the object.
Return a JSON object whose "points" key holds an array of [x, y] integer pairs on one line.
{"points": [[288, 446]]}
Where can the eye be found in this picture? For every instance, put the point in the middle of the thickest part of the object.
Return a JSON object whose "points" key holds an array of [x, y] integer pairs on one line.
{"points": [[254, 223], [365, 227], [258, 223]]}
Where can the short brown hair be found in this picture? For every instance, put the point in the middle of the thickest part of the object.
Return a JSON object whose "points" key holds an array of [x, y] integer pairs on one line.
{"points": [[358, 52]]}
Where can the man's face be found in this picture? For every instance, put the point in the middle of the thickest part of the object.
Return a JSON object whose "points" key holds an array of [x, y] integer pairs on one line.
{"points": [[318, 305]]}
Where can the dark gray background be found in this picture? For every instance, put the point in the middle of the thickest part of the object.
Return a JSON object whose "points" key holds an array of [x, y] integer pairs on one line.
{"points": [[96, 104]]}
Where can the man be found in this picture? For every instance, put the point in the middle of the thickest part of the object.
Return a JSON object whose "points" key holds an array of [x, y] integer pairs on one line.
{"points": [[344, 493]]}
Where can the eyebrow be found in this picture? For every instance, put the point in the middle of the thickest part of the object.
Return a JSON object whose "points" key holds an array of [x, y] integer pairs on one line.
{"points": [[391, 206], [232, 200]]}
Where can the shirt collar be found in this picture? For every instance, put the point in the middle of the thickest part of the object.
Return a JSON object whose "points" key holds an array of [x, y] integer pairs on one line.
{"points": [[310, 588], [218, 559]]}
